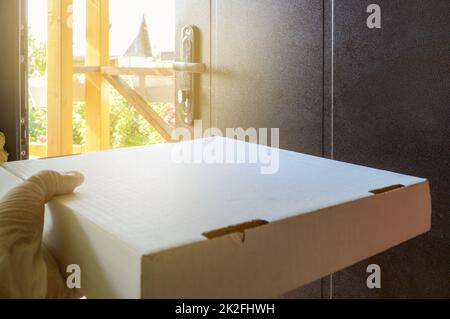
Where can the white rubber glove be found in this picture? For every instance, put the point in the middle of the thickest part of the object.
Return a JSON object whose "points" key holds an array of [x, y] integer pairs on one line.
{"points": [[27, 269]]}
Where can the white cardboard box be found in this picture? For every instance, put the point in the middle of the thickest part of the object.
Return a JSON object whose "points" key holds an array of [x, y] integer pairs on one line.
{"points": [[136, 225]]}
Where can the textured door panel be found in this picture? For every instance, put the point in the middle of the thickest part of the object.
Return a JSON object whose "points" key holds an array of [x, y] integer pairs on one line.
{"points": [[392, 111], [267, 68]]}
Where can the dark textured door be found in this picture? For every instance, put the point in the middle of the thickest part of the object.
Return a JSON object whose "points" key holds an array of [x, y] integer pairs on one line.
{"points": [[392, 111], [267, 68]]}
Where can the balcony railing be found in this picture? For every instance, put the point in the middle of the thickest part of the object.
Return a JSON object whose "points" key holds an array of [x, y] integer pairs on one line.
{"points": [[100, 75]]}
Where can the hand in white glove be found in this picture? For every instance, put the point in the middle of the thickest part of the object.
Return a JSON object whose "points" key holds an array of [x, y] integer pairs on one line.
{"points": [[27, 269]]}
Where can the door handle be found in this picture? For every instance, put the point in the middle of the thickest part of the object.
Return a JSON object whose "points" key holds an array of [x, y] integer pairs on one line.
{"points": [[187, 69]]}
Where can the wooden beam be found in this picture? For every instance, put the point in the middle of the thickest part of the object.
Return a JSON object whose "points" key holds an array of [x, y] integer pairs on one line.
{"points": [[59, 78], [135, 100], [159, 69], [97, 91], [155, 71], [86, 69]]}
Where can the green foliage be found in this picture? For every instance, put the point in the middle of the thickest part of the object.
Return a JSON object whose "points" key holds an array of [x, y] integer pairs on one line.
{"points": [[37, 57], [37, 65], [37, 122], [79, 123]]}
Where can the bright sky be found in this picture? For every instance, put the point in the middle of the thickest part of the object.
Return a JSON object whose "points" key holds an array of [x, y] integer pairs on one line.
{"points": [[125, 18]]}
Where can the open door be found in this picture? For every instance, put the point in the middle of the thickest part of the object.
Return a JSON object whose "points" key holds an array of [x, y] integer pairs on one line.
{"points": [[116, 73], [265, 66]]}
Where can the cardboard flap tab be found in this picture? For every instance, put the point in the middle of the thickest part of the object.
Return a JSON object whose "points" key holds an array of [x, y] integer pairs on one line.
{"points": [[240, 228], [386, 189]]}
